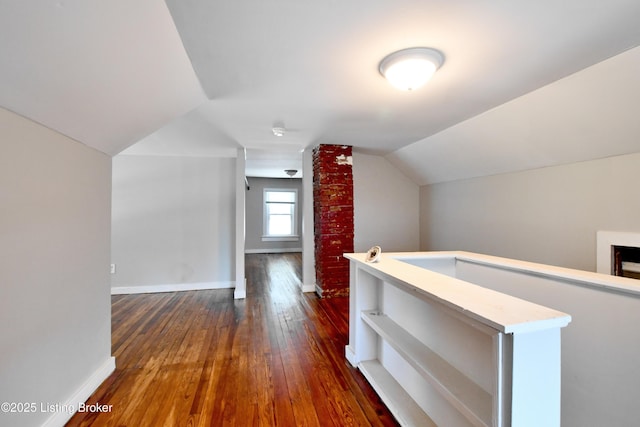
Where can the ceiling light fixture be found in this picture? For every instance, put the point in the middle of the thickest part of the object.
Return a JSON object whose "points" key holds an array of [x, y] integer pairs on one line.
{"points": [[278, 131], [291, 172], [408, 69]]}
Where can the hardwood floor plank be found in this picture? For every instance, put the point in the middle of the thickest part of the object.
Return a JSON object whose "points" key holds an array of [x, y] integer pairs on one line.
{"points": [[201, 358]]}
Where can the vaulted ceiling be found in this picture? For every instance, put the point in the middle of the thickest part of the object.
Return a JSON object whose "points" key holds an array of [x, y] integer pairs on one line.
{"points": [[204, 77]]}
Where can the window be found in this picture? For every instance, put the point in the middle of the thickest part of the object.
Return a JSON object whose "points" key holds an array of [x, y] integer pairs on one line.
{"points": [[280, 207]]}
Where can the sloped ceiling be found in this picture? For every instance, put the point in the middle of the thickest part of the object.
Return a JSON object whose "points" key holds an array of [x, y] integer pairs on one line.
{"points": [[589, 115], [105, 73], [203, 77]]}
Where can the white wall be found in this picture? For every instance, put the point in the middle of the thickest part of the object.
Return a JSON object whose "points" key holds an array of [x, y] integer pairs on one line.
{"points": [[600, 373], [386, 206], [548, 215], [55, 309], [173, 221], [254, 198]]}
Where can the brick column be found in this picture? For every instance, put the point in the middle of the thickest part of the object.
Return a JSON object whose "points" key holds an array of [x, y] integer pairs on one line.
{"points": [[333, 217]]}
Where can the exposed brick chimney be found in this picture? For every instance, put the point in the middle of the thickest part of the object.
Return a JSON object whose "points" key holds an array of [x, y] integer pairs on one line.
{"points": [[333, 217]]}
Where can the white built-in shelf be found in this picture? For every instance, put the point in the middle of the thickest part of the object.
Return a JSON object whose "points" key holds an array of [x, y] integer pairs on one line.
{"points": [[403, 407], [471, 400], [467, 355]]}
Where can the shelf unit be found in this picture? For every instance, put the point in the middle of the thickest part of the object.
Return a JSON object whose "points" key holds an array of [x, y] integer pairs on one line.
{"points": [[440, 351], [475, 403], [401, 404]]}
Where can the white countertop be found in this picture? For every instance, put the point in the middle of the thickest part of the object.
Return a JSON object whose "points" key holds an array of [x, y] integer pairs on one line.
{"points": [[497, 310]]}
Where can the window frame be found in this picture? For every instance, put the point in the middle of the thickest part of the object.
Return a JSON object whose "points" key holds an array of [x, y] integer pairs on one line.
{"points": [[294, 236]]}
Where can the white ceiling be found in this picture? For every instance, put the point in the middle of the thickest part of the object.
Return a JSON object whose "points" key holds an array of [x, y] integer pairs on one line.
{"points": [[206, 77], [106, 73]]}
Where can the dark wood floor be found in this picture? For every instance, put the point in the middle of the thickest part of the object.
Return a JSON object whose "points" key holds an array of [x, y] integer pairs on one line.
{"points": [[202, 358]]}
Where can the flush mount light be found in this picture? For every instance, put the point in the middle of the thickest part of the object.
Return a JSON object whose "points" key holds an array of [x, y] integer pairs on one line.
{"points": [[408, 69], [278, 130], [291, 172]]}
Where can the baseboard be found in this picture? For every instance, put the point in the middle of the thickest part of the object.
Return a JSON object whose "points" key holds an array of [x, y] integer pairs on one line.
{"points": [[309, 287], [272, 251], [149, 289], [350, 355], [60, 418], [241, 291]]}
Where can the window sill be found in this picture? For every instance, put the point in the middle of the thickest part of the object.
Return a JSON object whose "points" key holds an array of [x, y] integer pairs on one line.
{"points": [[280, 238]]}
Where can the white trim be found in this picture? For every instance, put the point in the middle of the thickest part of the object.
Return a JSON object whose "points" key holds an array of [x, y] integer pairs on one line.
{"points": [[241, 222], [178, 287], [272, 251], [308, 287], [292, 238], [307, 226], [350, 355], [82, 394], [241, 292]]}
